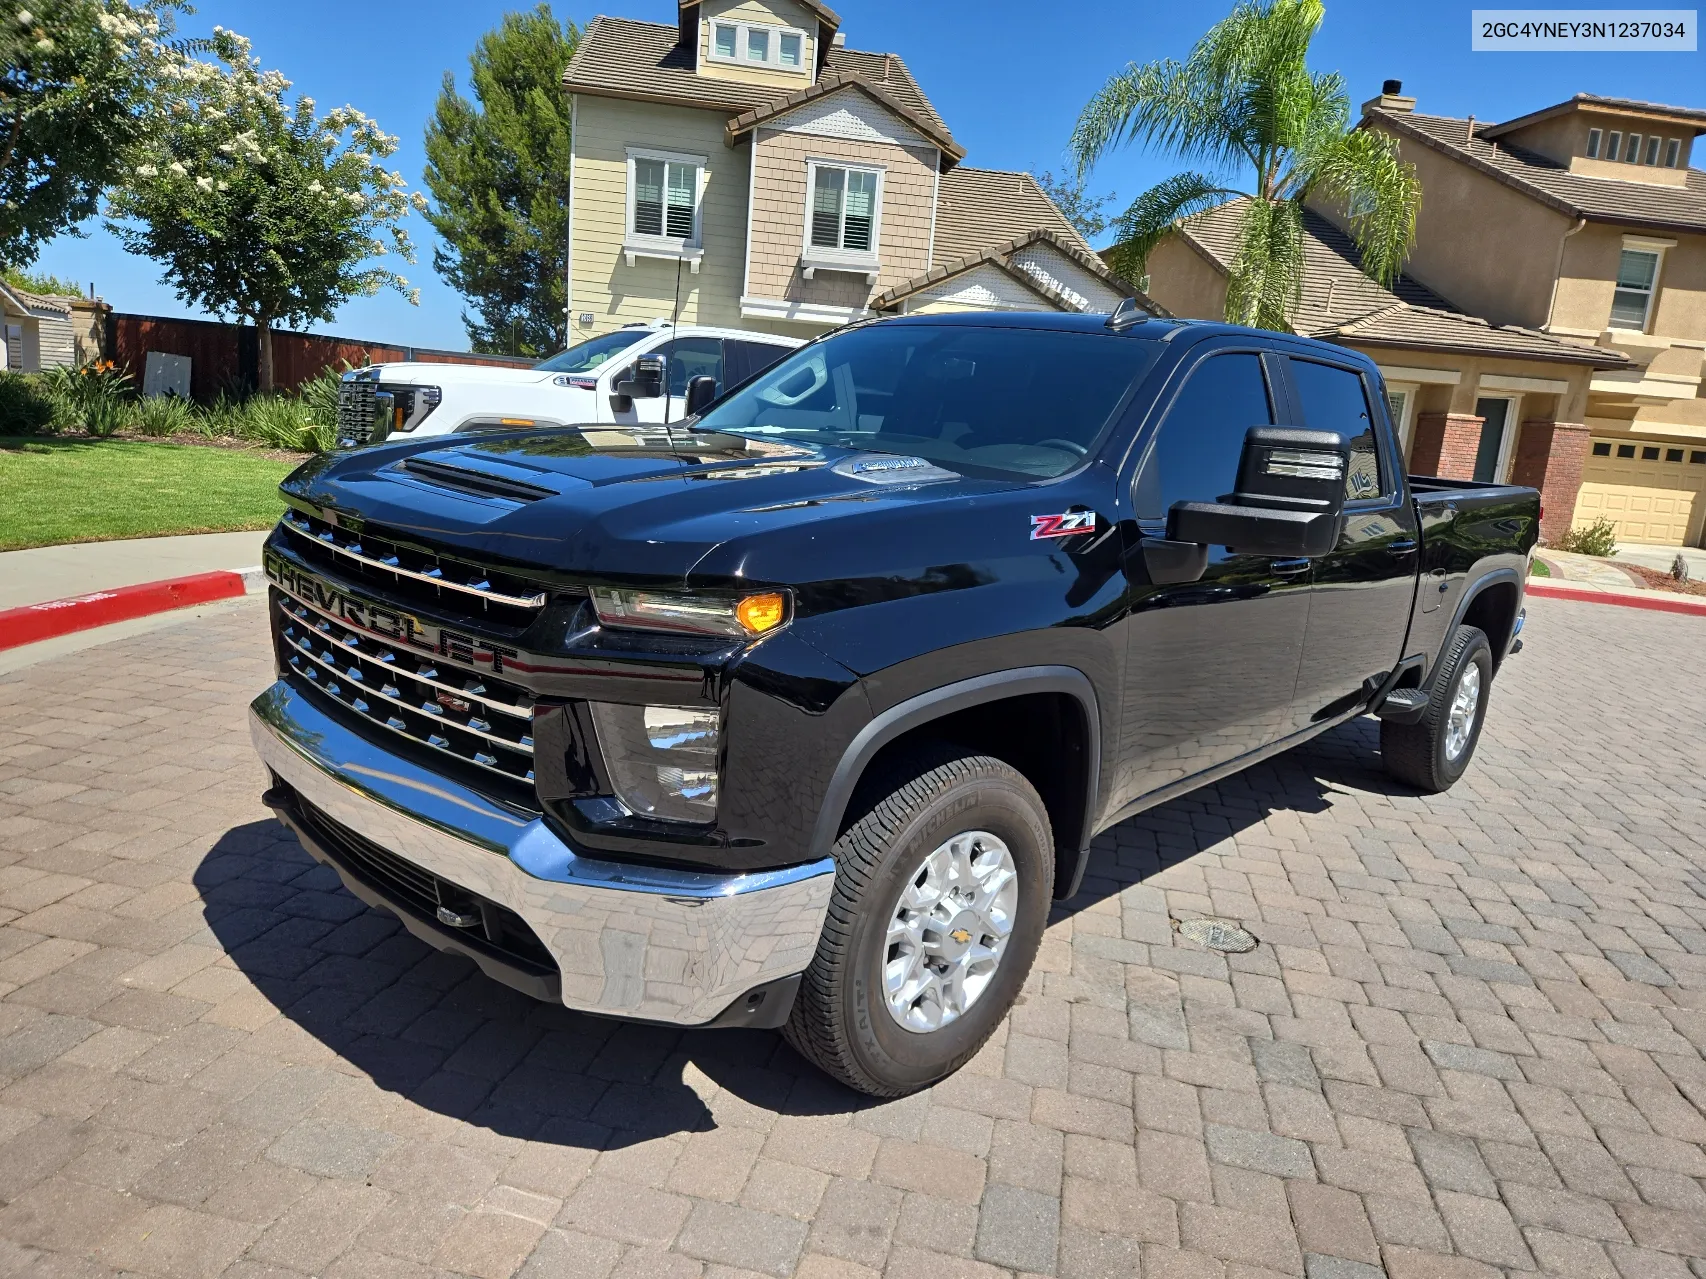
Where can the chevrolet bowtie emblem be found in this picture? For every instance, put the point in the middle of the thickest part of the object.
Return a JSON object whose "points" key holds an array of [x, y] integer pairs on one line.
{"points": [[960, 935]]}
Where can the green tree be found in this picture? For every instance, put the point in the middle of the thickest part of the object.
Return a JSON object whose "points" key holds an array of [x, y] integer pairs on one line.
{"points": [[264, 210], [81, 82], [1244, 101], [498, 170], [1081, 209]]}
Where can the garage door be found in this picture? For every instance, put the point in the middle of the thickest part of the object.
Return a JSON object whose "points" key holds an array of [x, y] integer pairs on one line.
{"points": [[1653, 492]]}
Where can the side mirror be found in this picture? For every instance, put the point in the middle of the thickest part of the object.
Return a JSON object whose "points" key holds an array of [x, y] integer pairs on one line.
{"points": [[642, 381], [700, 392], [1289, 500]]}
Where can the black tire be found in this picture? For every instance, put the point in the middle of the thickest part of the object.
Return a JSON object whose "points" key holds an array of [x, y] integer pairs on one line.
{"points": [[1417, 753], [840, 1019]]}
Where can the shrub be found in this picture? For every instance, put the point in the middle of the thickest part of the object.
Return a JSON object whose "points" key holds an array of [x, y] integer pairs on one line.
{"points": [[320, 398], [95, 397], [27, 405], [277, 422], [162, 415], [1598, 538]]}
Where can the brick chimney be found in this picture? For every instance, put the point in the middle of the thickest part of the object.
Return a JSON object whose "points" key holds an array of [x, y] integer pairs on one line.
{"points": [[1391, 99]]}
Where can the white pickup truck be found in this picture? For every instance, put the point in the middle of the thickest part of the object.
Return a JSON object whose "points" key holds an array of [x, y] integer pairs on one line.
{"points": [[576, 386]]}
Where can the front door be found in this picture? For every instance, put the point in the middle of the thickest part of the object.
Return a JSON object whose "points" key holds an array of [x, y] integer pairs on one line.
{"points": [[1360, 603], [1211, 664], [1494, 415]]}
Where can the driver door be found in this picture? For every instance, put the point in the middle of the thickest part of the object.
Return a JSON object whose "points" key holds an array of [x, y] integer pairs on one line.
{"points": [[1211, 665], [687, 358]]}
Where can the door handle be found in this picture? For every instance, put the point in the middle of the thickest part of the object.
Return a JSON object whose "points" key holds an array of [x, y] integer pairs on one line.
{"points": [[1404, 547], [1289, 568]]}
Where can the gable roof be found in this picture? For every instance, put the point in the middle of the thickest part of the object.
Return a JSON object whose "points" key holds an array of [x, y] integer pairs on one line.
{"points": [[1341, 304], [1001, 255], [647, 62], [23, 302], [979, 207], [1575, 195], [832, 83], [1657, 110], [829, 17]]}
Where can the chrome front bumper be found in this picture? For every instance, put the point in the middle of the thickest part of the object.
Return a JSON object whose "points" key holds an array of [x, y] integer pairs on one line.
{"points": [[630, 941]]}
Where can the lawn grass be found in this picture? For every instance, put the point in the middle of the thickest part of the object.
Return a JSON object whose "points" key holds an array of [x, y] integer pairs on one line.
{"points": [[1539, 568], [69, 490]]}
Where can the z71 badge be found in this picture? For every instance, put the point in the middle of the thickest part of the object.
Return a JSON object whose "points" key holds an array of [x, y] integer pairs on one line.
{"points": [[1070, 524]]}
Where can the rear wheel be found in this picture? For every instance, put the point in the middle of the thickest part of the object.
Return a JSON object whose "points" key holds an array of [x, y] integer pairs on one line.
{"points": [[1434, 752], [942, 890]]}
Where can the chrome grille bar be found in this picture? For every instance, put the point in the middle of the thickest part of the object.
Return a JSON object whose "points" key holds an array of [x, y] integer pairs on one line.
{"points": [[352, 549], [374, 651]]}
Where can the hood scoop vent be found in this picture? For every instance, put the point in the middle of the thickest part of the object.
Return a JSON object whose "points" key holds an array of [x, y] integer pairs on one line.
{"points": [[890, 468], [474, 483]]}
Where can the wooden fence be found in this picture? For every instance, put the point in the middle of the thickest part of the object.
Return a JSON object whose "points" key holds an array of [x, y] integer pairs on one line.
{"points": [[225, 358]]}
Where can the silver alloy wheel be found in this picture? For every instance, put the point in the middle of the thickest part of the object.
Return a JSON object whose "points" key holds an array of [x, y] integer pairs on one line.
{"points": [[949, 930], [1460, 719]]}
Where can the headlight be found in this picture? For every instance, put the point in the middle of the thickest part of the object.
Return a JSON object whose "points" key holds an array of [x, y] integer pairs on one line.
{"points": [[739, 618], [662, 760]]}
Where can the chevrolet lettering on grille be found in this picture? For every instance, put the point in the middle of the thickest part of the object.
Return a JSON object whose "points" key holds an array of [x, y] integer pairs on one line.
{"points": [[387, 623]]}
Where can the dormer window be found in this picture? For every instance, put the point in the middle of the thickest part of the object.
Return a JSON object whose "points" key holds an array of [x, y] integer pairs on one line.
{"points": [[1673, 149], [758, 44], [1611, 144], [1632, 152], [1653, 149], [1593, 144]]}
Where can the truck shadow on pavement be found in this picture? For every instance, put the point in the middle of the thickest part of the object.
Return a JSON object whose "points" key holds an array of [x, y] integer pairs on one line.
{"points": [[434, 1030]]}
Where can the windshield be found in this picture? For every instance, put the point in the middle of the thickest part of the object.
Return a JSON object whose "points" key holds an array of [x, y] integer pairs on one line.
{"points": [[994, 402], [588, 355]]}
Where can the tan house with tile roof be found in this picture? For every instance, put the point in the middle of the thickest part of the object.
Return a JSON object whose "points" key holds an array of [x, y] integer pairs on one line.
{"points": [[743, 167], [1584, 221]]}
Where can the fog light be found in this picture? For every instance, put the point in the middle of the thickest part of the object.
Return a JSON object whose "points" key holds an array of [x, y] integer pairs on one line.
{"points": [[662, 760]]}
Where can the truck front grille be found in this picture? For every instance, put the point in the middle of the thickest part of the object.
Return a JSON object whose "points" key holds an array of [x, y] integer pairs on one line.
{"points": [[467, 715], [356, 408], [435, 582]]}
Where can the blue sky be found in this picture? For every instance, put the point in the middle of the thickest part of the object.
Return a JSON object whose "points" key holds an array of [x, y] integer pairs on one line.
{"points": [[1008, 85]]}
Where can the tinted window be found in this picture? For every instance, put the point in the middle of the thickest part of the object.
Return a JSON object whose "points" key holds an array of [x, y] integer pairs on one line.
{"points": [[744, 359], [1196, 457], [588, 355], [982, 401], [1333, 400], [693, 357]]}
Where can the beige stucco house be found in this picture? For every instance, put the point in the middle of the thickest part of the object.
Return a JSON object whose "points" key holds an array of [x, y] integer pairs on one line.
{"points": [[742, 166], [36, 331], [1551, 320]]}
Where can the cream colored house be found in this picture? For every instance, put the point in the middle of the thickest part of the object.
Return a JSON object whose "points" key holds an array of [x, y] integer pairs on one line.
{"points": [[35, 331], [1582, 221], [744, 167]]}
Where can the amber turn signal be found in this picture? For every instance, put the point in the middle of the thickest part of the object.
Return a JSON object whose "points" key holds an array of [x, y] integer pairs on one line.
{"points": [[761, 613]]}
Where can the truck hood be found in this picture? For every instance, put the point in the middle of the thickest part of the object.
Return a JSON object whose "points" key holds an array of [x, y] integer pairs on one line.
{"points": [[413, 374], [613, 504]]}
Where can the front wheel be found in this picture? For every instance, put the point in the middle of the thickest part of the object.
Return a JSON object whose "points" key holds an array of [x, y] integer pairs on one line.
{"points": [[942, 889], [1434, 752]]}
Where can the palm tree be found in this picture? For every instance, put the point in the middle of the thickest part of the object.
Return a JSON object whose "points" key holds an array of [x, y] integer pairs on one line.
{"points": [[1244, 100]]}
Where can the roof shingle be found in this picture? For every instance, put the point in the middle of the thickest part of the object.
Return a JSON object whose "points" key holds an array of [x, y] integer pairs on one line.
{"points": [[979, 208], [1643, 204], [1341, 304]]}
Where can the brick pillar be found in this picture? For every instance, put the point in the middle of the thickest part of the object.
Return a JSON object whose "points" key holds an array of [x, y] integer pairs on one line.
{"points": [[1445, 445], [1549, 457]]}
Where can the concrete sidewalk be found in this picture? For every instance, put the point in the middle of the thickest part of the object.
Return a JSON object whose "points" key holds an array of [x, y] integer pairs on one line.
{"points": [[55, 572], [1662, 557]]}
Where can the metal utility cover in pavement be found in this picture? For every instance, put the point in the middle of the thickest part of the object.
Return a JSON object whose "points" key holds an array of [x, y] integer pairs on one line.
{"points": [[1217, 934]]}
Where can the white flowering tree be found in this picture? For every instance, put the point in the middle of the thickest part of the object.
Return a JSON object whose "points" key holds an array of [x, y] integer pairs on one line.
{"points": [[264, 210], [81, 82]]}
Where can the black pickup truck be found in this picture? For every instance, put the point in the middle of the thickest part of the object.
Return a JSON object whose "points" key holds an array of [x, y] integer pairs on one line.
{"points": [[799, 713]]}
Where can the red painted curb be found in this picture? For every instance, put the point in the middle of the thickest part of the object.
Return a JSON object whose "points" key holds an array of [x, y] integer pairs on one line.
{"points": [[34, 622], [1657, 602]]}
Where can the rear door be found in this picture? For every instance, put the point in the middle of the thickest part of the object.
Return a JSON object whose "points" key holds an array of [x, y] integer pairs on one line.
{"points": [[743, 359], [1360, 600], [1211, 664]]}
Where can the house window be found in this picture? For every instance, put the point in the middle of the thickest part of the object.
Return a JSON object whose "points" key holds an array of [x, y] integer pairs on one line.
{"points": [[1653, 149], [663, 197], [1673, 149], [754, 43], [1632, 301], [1611, 144], [1593, 143], [844, 208], [1632, 152]]}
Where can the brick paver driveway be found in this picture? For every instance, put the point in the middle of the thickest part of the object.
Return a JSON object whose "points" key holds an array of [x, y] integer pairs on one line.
{"points": [[1470, 1041]]}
